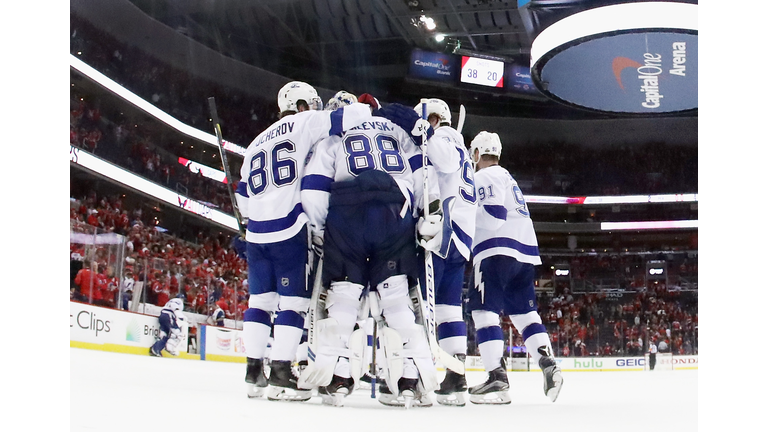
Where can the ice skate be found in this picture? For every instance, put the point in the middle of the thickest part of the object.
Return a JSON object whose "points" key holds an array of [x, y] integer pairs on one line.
{"points": [[283, 383], [154, 353], [451, 391], [365, 381], [494, 391], [553, 378], [255, 378], [335, 392], [409, 396]]}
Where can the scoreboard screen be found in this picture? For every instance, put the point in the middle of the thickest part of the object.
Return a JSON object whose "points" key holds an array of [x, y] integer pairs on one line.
{"points": [[483, 72]]}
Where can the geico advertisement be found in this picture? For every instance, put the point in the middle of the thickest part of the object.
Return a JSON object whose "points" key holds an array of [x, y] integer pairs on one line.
{"points": [[99, 325], [224, 342]]}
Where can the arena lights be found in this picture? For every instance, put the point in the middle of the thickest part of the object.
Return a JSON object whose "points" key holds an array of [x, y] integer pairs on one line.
{"points": [[611, 200], [150, 109], [680, 224], [129, 179]]}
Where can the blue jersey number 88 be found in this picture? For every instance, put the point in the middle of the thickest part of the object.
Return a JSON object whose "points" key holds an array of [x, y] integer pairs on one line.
{"points": [[360, 153]]}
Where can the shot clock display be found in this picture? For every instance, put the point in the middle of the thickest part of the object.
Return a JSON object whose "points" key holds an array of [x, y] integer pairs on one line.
{"points": [[482, 71]]}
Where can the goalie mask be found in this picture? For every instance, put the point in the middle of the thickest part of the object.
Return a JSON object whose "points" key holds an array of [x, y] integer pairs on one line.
{"points": [[289, 96], [486, 143], [340, 99], [436, 106]]}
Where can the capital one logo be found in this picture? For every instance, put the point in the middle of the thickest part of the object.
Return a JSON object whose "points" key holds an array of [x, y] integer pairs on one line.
{"points": [[621, 63]]}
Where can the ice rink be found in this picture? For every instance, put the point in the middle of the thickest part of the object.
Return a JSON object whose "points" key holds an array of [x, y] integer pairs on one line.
{"points": [[124, 392]]}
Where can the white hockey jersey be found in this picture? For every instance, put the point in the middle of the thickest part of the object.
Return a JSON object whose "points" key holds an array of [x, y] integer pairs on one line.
{"points": [[455, 178], [504, 225], [269, 193], [375, 144]]}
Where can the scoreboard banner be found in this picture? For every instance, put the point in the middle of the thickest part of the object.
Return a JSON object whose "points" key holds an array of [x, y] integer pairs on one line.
{"points": [[433, 66], [485, 72]]}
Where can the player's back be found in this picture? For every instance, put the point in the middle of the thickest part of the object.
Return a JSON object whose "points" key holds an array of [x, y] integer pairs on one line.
{"points": [[455, 177], [272, 168], [376, 144], [503, 225]]}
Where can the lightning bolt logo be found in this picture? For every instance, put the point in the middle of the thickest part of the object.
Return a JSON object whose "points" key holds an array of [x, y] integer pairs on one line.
{"points": [[479, 284]]}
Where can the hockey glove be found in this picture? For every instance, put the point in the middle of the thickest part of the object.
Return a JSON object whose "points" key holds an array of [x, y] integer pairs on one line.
{"points": [[407, 119], [317, 244], [431, 232], [240, 245], [369, 100]]}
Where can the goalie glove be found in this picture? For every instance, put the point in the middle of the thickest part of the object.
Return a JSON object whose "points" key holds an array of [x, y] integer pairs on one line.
{"points": [[407, 119], [431, 232], [240, 246]]}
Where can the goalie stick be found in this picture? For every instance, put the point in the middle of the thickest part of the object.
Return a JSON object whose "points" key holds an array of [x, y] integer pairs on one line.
{"points": [[428, 309], [225, 165]]}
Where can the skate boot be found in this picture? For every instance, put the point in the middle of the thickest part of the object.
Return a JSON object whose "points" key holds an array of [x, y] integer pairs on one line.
{"points": [[154, 353], [451, 391], [283, 383], [335, 392], [495, 390], [255, 378], [553, 378], [410, 396]]}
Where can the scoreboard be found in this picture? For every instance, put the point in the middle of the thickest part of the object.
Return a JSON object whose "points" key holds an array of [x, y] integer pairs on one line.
{"points": [[483, 72]]}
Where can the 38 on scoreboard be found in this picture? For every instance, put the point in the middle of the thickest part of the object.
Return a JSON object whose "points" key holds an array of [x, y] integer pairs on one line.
{"points": [[483, 72]]}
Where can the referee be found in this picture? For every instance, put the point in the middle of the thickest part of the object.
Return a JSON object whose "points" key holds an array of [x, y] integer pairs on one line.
{"points": [[652, 350]]}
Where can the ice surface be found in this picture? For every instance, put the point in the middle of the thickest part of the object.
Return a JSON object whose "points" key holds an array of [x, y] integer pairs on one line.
{"points": [[124, 392]]}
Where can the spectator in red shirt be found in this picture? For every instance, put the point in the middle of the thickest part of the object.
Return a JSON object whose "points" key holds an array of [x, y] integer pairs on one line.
{"points": [[87, 282], [162, 290]]}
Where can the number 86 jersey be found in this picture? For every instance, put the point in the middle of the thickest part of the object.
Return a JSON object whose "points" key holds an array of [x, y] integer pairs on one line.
{"points": [[269, 193]]}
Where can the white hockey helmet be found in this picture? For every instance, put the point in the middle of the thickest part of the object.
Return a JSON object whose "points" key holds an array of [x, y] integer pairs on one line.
{"points": [[289, 96], [340, 99], [486, 143], [174, 304], [436, 106]]}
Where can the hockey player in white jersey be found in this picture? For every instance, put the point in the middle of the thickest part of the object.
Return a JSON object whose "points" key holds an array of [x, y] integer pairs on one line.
{"points": [[268, 195], [358, 192], [449, 236], [169, 335], [505, 255]]}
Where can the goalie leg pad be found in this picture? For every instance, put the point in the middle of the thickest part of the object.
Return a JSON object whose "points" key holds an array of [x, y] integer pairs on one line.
{"points": [[330, 346], [358, 342]]}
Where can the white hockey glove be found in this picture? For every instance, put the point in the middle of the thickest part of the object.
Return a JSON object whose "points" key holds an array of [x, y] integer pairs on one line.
{"points": [[431, 232], [421, 128], [317, 244]]}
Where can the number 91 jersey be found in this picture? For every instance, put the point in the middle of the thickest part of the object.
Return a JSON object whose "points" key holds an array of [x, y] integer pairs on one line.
{"points": [[375, 144], [268, 193]]}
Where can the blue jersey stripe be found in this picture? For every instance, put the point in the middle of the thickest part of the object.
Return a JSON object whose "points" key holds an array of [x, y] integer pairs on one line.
{"points": [[497, 211], [337, 122], [506, 243], [242, 189], [416, 162], [463, 237], [316, 182], [270, 226]]}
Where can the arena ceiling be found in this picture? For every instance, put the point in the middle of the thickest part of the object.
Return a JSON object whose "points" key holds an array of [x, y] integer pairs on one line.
{"points": [[366, 44]]}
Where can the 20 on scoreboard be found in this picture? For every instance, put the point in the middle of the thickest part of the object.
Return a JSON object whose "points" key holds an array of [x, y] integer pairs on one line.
{"points": [[481, 71]]}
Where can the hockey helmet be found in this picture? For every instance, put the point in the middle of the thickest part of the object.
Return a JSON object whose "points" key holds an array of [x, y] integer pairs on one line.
{"points": [[289, 96], [486, 143], [436, 106], [174, 304], [340, 99]]}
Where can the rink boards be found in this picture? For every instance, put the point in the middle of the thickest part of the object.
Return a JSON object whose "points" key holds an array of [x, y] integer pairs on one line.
{"points": [[105, 329]]}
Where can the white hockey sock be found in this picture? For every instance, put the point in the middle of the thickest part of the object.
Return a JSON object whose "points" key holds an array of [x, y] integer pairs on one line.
{"points": [[490, 338], [451, 329], [255, 337]]}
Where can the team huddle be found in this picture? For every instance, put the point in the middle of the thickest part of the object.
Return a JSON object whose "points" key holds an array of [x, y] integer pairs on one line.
{"points": [[360, 216]]}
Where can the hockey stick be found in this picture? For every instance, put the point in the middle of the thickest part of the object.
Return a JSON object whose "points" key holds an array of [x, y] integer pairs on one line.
{"points": [[428, 309], [462, 117], [373, 370], [225, 165]]}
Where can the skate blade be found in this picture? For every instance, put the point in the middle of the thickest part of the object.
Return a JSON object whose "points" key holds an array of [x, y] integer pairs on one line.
{"points": [[494, 398], [453, 399], [289, 395], [407, 400], [336, 399], [253, 391], [554, 392]]}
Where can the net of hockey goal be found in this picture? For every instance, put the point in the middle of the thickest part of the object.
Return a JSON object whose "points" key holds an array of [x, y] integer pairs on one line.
{"points": [[664, 362]]}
